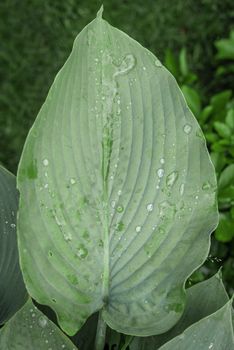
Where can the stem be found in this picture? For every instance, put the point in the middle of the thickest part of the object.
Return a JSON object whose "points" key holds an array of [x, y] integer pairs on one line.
{"points": [[100, 334]]}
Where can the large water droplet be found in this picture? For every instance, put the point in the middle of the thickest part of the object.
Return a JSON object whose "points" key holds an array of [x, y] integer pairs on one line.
{"points": [[42, 321], [127, 64], [162, 160], [138, 229], [160, 172], [45, 162], [171, 179], [187, 128]]}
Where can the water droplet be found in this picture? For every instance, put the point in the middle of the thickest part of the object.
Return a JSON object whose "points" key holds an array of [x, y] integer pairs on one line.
{"points": [[166, 209], [211, 345], [120, 209], [144, 68], [119, 192], [187, 128], [181, 189], [160, 172], [72, 181], [42, 321], [113, 204], [138, 229], [162, 160], [45, 162], [149, 207], [171, 179], [127, 64], [67, 236], [13, 225], [157, 63], [82, 252]]}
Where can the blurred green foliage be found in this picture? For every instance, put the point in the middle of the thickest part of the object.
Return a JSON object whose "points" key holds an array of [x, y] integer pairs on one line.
{"points": [[192, 38]]}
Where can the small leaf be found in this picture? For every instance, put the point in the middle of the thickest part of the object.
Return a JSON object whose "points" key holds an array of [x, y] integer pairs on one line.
{"points": [[219, 102], [230, 119], [225, 230], [193, 99], [222, 129], [183, 62], [31, 329], [227, 177], [171, 63], [12, 290], [225, 48]]}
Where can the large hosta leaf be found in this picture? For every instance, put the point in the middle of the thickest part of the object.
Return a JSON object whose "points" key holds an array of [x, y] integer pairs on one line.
{"points": [[12, 291], [117, 189], [203, 299], [30, 329]]}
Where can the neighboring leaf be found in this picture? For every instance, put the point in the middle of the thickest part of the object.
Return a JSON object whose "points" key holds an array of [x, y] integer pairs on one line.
{"points": [[213, 332], [201, 302], [205, 114], [227, 177], [12, 290], [192, 98], [218, 160], [31, 329], [118, 193]]}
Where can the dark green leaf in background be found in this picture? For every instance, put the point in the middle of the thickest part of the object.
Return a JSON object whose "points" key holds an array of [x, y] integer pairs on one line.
{"points": [[12, 291]]}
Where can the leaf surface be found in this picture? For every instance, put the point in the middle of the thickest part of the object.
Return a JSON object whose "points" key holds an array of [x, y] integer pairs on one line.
{"points": [[12, 290], [31, 329], [118, 193]]}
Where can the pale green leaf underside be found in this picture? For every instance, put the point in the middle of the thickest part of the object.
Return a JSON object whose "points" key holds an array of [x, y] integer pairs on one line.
{"points": [[12, 290], [31, 329], [203, 299], [117, 189]]}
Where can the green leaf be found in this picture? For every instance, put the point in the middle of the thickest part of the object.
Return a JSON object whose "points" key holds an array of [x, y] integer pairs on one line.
{"points": [[205, 113], [222, 129], [227, 177], [212, 332], [225, 230], [201, 302], [218, 160], [31, 329], [118, 193], [219, 102], [12, 290], [183, 62], [225, 48], [230, 119], [193, 99], [171, 63]]}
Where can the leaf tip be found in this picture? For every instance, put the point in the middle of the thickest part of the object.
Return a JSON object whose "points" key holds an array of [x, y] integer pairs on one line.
{"points": [[100, 12]]}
